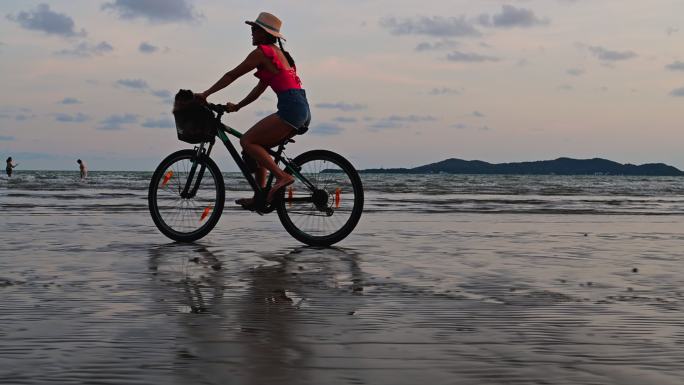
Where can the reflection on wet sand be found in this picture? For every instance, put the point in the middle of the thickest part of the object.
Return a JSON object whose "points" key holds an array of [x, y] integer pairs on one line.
{"points": [[187, 272], [410, 299], [248, 324]]}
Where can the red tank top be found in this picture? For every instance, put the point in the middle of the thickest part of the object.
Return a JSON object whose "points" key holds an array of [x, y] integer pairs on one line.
{"points": [[285, 79]]}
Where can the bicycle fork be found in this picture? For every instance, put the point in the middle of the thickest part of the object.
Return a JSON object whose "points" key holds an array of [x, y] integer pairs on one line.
{"points": [[189, 190]]}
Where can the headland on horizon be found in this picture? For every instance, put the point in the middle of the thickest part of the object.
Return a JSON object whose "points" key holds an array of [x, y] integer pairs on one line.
{"points": [[559, 166]]}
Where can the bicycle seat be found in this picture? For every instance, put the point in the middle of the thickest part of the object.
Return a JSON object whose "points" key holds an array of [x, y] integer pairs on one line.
{"points": [[301, 130]]}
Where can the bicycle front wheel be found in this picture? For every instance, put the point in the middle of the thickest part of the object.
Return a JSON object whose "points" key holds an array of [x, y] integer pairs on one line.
{"points": [[327, 210], [186, 196]]}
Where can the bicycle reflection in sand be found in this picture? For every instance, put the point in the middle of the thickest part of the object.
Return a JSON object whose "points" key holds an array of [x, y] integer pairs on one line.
{"points": [[254, 322]]}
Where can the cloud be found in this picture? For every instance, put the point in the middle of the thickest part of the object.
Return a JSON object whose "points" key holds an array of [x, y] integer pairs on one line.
{"points": [[444, 91], [68, 100], [141, 85], [67, 118], [155, 11], [345, 119], [440, 45], [431, 26], [326, 129], [19, 117], [137, 84], [164, 95], [608, 55], [147, 48], [411, 118], [115, 122], [86, 49], [459, 126], [575, 71], [678, 92], [458, 56], [159, 123], [398, 121], [5, 138], [43, 19], [342, 106], [18, 114], [671, 30], [566, 87], [676, 66], [478, 114], [512, 17], [22, 117], [384, 125]]}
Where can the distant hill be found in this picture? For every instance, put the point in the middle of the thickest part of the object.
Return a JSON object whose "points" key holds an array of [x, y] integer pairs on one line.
{"points": [[560, 166]]}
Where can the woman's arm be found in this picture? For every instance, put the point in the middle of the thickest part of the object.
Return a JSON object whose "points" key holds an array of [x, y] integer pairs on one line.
{"points": [[250, 63], [252, 96]]}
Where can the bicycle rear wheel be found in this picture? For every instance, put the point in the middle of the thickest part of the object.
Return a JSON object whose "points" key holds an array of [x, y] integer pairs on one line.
{"points": [[328, 213], [186, 212]]}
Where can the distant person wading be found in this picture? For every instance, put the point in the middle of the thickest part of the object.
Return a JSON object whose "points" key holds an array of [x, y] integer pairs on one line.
{"points": [[10, 166], [82, 168], [275, 68]]}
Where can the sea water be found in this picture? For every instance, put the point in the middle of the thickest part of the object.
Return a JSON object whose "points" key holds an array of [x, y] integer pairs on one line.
{"points": [[118, 191], [466, 279]]}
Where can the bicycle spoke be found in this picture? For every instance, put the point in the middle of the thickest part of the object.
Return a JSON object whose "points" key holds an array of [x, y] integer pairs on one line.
{"points": [[184, 215], [322, 219]]}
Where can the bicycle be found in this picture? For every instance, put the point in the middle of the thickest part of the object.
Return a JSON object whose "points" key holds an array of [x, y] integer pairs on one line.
{"points": [[187, 193]]}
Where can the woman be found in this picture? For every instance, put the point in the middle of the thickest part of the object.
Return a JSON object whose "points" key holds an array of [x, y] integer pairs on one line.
{"points": [[275, 68], [10, 166]]}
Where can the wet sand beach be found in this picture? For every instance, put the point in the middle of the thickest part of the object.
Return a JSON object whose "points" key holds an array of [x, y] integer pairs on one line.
{"points": [[93, 293]]}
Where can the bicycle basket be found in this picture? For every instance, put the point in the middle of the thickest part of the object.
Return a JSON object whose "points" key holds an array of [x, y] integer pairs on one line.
{"points": [[195, 122]]}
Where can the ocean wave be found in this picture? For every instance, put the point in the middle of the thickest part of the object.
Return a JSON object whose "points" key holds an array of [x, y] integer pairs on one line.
{"points": [[388, 183], [601, 195]]}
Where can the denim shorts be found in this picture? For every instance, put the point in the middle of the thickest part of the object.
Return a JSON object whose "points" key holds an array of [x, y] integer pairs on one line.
{"points": [[293, 108]]}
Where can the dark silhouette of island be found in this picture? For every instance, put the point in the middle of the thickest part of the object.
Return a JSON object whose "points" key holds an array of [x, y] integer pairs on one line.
{"points": [[560, 166]]}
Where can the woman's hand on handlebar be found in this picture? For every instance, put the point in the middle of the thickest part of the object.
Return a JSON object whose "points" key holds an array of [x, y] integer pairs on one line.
{"points": [[231, 107]]}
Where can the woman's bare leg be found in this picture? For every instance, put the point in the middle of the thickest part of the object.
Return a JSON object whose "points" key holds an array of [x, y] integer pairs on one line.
{"points": [[260, 175], [267, 133]]}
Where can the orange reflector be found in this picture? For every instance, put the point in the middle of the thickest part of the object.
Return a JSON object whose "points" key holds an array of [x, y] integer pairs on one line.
{"points": [[337, 197], [289, 196], [168, 176], [206, 212]]}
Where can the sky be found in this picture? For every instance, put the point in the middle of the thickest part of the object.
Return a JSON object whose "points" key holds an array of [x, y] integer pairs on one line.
{"points": [[391, 83]]}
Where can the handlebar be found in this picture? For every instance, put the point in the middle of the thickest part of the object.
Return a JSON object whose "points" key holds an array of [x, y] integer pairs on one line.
{"points": [[218, 108]]}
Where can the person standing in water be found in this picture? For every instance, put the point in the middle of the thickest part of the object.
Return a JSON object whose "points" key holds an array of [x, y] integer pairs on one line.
{"points": [[82, 167], [10, 166], [275, 68]]}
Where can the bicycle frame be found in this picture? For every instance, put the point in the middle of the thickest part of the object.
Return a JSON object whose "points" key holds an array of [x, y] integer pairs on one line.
{"points": [[260, 193]]}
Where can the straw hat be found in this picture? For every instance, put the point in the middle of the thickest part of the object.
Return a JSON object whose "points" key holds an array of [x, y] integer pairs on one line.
{"points": [[268, 23]]}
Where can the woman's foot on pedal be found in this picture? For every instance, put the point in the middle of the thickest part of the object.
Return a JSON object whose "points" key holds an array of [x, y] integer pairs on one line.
{"points": [[279, 185], [246, 203]]}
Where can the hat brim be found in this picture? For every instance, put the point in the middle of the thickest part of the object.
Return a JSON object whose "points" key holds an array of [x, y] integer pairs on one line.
{"points": [[270, 32]]}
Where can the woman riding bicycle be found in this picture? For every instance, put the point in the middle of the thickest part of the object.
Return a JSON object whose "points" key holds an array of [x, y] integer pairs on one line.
{"points": [[275, 68]]}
